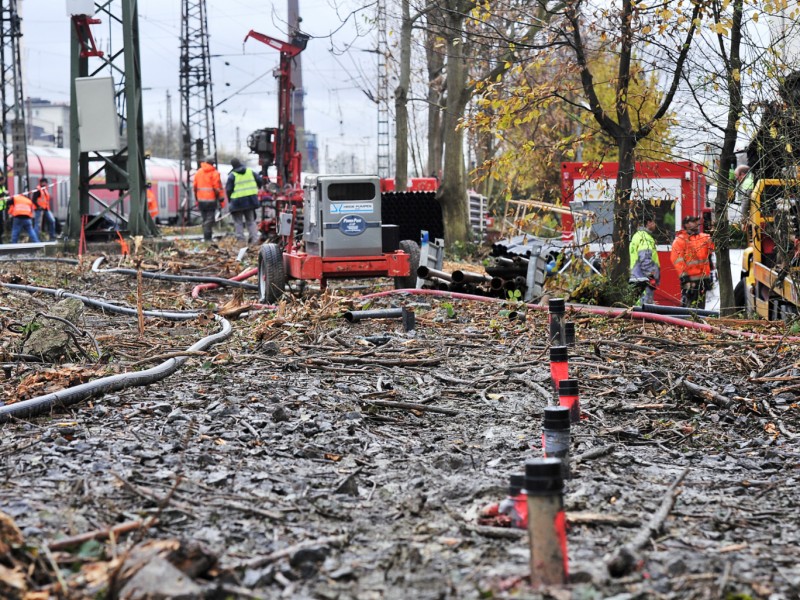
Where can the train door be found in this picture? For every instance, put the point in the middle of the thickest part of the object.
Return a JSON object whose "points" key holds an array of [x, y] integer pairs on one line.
{"points": [[165, 197]]}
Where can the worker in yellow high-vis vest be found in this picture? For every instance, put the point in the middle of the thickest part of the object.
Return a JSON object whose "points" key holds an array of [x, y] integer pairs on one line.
{"points": [[242, 189]]}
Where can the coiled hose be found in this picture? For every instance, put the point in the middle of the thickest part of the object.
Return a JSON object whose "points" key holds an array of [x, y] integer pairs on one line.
{"points": [[73, 395], [41, 404]]}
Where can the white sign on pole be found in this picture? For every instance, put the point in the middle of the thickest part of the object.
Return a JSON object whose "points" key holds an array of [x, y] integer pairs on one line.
{"points": [[98, 123]]}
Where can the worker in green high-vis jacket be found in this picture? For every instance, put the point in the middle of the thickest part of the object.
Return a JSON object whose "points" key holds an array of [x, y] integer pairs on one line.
{"points": [[645, 266]]}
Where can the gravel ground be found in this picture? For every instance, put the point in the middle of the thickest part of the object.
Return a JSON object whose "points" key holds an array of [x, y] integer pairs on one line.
{"points": [[308, 457]]}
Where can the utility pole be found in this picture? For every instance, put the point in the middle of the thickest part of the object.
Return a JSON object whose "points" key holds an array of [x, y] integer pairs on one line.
{"points": [[297, 94], [107, 157], [384, 156], [168, 132], [198, 131], [15, 150]]}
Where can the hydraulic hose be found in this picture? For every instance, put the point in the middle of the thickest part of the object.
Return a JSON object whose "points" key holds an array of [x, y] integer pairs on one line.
{"points": [[211, 286], [113, 308], [73, 395], [220, 281], [605, 311]]}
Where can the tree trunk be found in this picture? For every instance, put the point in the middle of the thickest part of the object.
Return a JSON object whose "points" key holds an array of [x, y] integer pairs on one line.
{"points": [[401, 102], [435, 61], [619, 259], [725, 187], [452, 193]]}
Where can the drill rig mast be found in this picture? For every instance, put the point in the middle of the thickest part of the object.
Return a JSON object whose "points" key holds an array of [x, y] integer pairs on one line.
{"points": [[277, 146]]}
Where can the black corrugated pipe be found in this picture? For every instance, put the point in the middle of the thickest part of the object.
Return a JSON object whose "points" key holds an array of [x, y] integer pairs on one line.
{"points": [[113, 308], [221, 281], [73, 395], [678, 311], [354, 316]]}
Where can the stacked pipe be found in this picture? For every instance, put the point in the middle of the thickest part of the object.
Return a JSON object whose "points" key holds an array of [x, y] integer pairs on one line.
{"points": [[467, 282], [470, 282], [508, 273]]}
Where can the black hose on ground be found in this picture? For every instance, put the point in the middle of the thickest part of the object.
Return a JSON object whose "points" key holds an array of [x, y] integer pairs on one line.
{"points": [[69, 261], [221, 281], [113, 308], [73, 395], [677, 311]]}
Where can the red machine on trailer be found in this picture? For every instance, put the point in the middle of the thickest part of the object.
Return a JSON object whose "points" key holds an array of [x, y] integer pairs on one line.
{"points": [[343, 235], [668, 190]]}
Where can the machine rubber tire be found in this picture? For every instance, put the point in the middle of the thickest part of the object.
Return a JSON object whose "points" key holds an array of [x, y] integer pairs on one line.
{"points": [[411, 248], [739, 299], [271, 275]]}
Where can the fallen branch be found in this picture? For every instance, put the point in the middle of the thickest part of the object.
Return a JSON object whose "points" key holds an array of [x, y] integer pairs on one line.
{"points": [[100, 534], [707, 394], [621, 562], [594, 453], [167, 355], [366, 360], [496, 533], [409, 406], [255, 563]]}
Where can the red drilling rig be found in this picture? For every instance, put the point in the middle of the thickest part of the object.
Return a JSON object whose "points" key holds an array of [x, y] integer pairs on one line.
{"points": [[277, 146]]}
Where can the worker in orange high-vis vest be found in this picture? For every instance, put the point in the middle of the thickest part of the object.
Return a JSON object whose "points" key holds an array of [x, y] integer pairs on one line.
{"points": [[693, 256], [22, 209], [208, 193], [152, 202], [43, 216]]}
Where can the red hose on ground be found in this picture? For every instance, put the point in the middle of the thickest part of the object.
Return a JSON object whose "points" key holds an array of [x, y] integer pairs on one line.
{"points": [[605, 311], [212, 286]]}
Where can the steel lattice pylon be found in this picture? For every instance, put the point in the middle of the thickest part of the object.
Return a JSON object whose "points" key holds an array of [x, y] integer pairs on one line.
{"points": [[198, 131], [121, 171], [14, 130], [384, 138]]}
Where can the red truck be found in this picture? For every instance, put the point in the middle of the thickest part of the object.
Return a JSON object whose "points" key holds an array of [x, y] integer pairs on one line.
{"points": [[669, 190]]}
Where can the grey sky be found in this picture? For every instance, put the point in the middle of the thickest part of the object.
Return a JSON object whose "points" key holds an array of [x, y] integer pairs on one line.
{"points": [[337, 109]]}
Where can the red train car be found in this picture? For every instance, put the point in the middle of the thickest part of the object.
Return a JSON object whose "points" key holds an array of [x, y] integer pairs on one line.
{"points": [[669, 190], [54, 164]]}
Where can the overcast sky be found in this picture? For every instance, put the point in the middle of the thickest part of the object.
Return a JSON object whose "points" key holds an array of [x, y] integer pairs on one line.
{"points": [[336, 108]]}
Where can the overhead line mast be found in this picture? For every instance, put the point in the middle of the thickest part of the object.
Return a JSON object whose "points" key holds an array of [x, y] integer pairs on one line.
{"points": [[15, 150], [198, 128], [107, 156], [384, 141]]}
